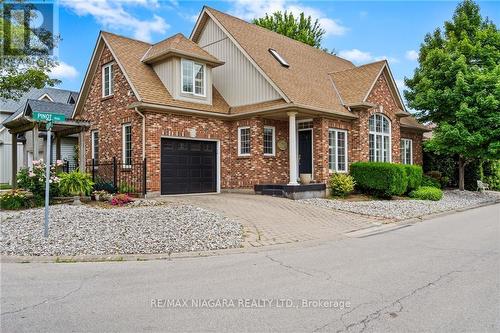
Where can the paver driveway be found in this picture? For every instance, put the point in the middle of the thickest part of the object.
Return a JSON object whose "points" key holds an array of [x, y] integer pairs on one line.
{"points": [[268, 220]]}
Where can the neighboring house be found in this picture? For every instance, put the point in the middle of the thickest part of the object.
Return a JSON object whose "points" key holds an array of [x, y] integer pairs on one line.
{"points": [[50, 99], [237, 105]]}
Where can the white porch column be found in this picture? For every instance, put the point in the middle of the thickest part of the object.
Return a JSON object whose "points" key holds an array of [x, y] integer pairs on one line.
{"points": [[36, 143], [292, 146], [81, 157]]}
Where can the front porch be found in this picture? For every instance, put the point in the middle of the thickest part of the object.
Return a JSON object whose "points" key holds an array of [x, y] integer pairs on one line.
{"points": [[24, 123]]}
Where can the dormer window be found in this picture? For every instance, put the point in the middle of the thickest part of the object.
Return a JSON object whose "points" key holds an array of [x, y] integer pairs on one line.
{"points": [[193, 78]]}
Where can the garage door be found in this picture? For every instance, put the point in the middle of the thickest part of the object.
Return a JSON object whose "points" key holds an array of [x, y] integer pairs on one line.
{"points": [[188, 166]]}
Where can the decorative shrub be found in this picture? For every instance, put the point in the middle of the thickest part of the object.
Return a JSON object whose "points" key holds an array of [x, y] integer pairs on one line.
{"points": [[101, 185], [381, 179], [491, 174], [414, 174], [427, 193], [430, 182], [76, 183], [33, 180], [14, 199], [341, 184], [125, 187], [121, 199]]}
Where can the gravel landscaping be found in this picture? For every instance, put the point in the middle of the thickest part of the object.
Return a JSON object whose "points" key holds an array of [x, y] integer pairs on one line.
{"points": [[403, 209], [146, 227]]}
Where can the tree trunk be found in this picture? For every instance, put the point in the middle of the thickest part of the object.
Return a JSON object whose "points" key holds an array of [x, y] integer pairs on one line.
{"points": [[461, 173]]}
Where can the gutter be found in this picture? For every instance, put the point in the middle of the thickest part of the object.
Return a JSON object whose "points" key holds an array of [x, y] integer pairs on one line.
{"points": [[143, 132], [286, 107]]}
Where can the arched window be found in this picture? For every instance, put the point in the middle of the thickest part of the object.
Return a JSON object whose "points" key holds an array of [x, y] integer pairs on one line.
{"points": [[380, 138]]}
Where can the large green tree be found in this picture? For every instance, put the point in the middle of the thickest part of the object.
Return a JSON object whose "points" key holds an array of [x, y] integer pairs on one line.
{"points": [[457, 86], [25, 52], [300, 28]]}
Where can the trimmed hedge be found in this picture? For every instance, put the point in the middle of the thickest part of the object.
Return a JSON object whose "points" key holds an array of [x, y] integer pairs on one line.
{"points": [[414, 174], [427, 193], [381, 179]]}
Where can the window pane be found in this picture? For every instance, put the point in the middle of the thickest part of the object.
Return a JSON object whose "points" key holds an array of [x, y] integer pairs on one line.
{"points": [[111, 83], [372, 123], [268, 141], [385, 125], [332, 161], [95, 146], [127, 153], [244, 141], [187, 76], [199, 87], [341, 145], [386, 148], [106, 81], [378, 140], [372, 147], [402, 151]]}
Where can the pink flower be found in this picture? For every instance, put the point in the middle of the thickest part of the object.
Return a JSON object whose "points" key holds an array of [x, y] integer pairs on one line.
{"points": [[32, 174], [59, 162]]}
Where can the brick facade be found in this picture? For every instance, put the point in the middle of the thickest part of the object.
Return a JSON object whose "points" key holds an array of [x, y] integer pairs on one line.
{"points": [[107, 115]]}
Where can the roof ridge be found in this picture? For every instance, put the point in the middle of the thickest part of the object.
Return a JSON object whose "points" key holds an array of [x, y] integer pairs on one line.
{"points": [[358, 67], [171, 37], [43, 101], [282, 36], [125, 37]]}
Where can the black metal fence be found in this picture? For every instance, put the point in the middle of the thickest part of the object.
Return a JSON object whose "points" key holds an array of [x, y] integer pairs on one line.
{"points": [[114, 176]]}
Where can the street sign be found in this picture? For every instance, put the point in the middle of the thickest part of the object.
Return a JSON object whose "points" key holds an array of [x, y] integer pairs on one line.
{"points": [[46, 116]]}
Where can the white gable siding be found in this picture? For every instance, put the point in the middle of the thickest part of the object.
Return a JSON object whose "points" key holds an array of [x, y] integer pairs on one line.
{"points": [[165, 71], [238, 81]]}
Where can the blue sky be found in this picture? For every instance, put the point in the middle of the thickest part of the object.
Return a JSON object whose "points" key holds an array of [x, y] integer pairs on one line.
{"points": [[360, 31]]}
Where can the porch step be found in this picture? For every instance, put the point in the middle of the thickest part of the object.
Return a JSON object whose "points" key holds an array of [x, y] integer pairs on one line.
{"points": [[274, 192]]}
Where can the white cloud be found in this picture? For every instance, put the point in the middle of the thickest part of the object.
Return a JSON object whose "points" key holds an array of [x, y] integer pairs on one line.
{"points": [[412, 55], [63, 71], [356, 55], [362, 57], [113, 15], [250, 9]]}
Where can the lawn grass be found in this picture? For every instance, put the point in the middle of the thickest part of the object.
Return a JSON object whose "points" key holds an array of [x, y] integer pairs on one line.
{"points": [[5, 186]]}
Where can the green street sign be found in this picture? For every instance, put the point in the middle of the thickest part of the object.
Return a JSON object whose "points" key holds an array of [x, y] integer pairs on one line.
{"points": [[50, 117]]}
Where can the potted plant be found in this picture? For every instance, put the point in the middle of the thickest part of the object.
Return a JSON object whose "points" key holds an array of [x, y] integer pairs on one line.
{"points": [[76, 183], [305, 178]]}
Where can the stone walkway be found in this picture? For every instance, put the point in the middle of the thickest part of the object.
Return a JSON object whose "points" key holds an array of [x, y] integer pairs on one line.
{"points": [[268, 220]]}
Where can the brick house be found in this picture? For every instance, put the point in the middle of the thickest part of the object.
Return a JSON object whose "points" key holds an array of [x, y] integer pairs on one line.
{"points": [[236, 105]]}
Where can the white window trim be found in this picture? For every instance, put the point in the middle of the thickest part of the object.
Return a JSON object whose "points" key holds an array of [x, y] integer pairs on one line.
{"points": [[410, 142], [125, 165], [273, 142], [239, 140], [111, 85], [375, 133], [335, 130], [183, 61], [92, 133]]}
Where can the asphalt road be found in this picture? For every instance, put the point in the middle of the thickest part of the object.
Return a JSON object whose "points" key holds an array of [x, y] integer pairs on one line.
{"points": [[441, 275]]}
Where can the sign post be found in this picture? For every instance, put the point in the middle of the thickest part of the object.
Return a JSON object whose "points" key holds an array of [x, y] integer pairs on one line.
{"points": [[49, 119], [47, 179]]}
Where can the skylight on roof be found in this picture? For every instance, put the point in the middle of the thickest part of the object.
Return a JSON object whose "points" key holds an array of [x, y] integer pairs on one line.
{"points": [[278, 57]]}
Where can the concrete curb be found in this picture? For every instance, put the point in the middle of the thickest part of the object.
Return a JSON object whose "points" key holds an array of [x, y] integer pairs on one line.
{"points": [[363, 232], [164, 256], [421, 218]]}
